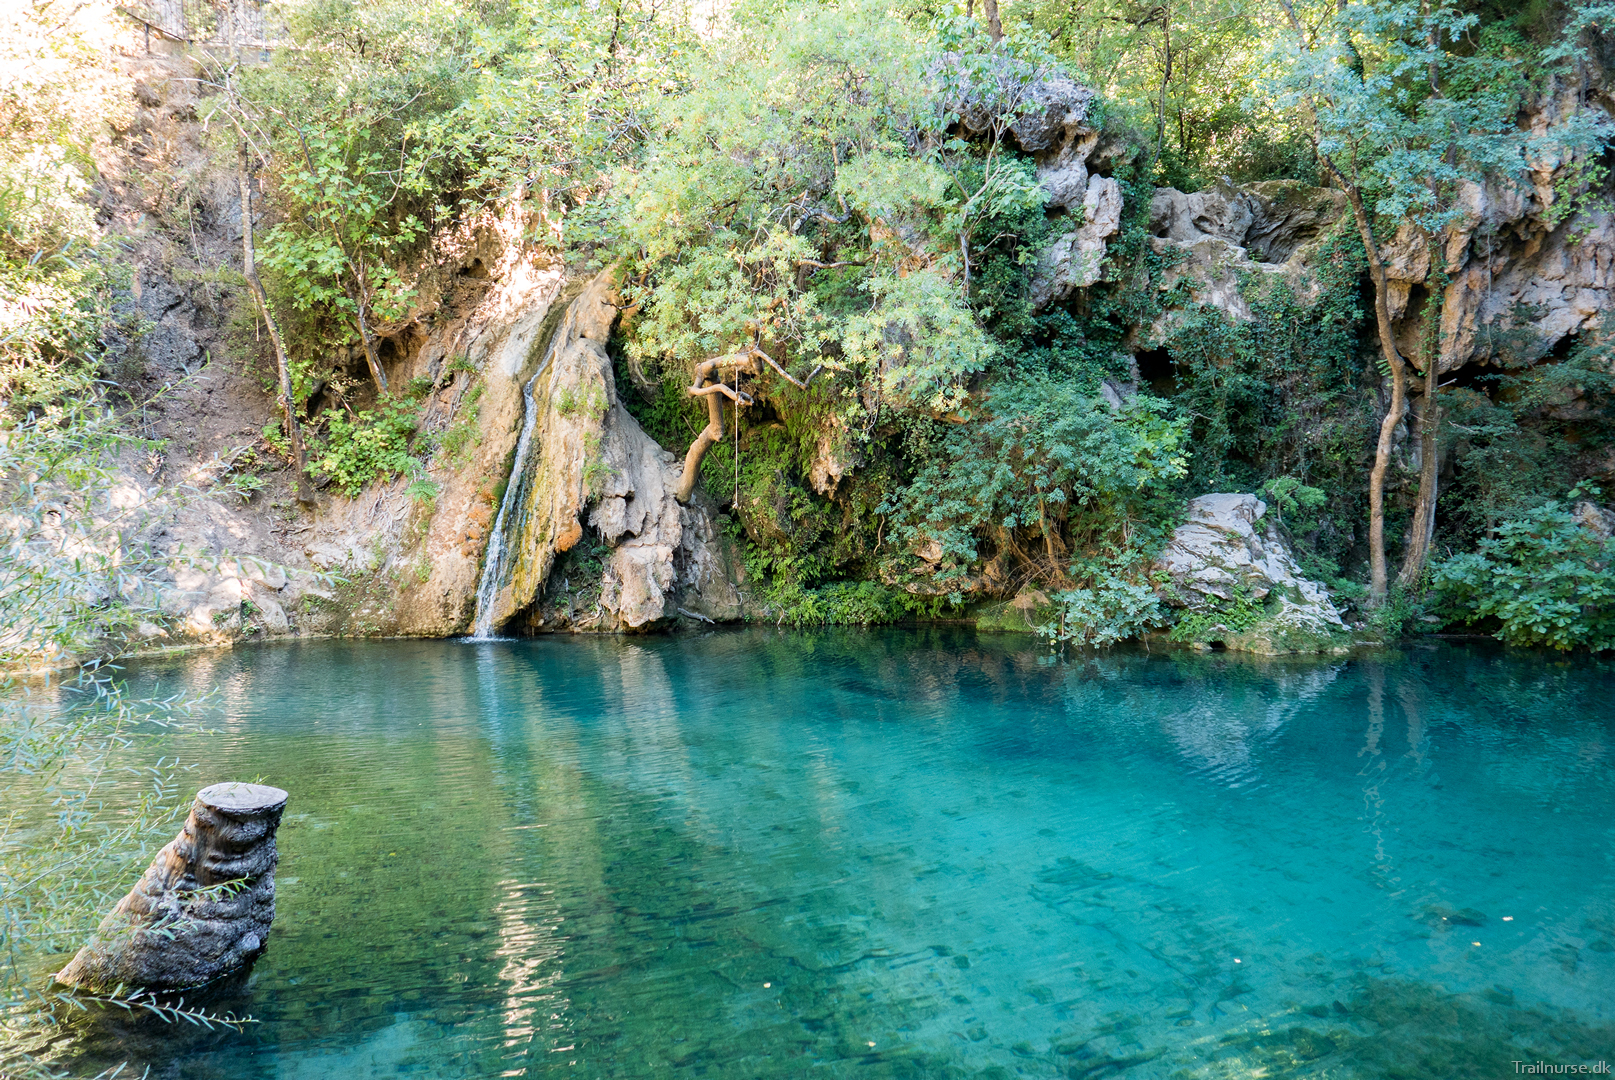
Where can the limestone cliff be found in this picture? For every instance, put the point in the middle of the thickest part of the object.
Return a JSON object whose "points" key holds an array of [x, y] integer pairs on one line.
{"points": [[584, 466]]}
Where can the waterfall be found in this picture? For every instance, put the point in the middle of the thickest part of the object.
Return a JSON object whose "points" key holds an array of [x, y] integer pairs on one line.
{"points": [[493, 564]]}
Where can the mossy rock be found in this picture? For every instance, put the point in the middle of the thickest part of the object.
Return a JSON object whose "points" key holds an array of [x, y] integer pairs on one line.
{"points": [[1278, 637], [1024, 614]]}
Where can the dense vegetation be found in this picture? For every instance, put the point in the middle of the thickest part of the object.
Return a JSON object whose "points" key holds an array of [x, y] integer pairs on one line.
{"points": [[800, 180]]}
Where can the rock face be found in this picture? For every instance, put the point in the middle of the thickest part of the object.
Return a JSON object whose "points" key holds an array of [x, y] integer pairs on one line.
{"points": [[202, 911], [1223, 234], [583, 460], [1051, 124], [1517, 279], [1218, 555], [1074, 260]]}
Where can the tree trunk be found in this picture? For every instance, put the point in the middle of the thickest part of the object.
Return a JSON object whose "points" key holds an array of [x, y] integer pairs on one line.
{"points": [[1379, 577], [710, 436], [1417, 552], [369, 340], [748, 361], [204, 907], [995, 29], [288, 402]]}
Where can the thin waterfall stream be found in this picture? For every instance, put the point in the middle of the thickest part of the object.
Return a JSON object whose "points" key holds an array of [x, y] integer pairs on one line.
{"points": [[493, 564]]}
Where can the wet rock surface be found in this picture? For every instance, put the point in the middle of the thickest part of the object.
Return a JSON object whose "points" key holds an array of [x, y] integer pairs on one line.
{"points": [[202, 910], [588, 472]]}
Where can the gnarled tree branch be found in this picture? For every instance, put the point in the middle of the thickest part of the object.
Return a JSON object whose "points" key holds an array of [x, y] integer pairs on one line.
{"points": [[748, 361]]}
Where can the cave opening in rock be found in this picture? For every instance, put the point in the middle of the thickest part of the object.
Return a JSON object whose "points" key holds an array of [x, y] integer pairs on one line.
{"points": [[1157, 371]]}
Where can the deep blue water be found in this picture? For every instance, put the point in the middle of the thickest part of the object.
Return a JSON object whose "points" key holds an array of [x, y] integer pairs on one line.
{"points": [[914, 853]]}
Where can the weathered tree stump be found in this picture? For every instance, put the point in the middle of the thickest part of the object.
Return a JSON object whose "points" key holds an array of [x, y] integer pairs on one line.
{"points": [[202, 911]]}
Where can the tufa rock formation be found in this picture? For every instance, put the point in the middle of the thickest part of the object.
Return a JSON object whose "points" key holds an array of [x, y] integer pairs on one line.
{"points": [[584, 462], [1218, 556], [1218, 237], [1050, 122], [202, 911]]}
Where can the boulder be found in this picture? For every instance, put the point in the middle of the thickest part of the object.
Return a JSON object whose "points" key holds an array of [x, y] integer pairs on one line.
{"points": [[1221, 555], [202, 910], [1595, 519]]}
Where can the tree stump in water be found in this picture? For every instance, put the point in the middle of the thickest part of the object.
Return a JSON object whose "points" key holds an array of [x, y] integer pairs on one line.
{"points": [[202, 911]]}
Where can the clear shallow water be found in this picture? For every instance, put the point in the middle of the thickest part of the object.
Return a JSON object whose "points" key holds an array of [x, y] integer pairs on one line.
{"points": [[913, 854]]}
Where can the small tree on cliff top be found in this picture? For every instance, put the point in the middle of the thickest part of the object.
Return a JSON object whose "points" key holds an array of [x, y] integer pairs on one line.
{"points": [[805, 210], [1414, 110]]}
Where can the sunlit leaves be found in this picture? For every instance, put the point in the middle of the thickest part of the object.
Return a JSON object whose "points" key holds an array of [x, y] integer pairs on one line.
{"points": [[1545, 577]]}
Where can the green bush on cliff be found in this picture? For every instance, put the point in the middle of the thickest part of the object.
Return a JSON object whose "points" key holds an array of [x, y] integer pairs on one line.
{"points": [[1283, 402], [802, 188], [366, 446], [1546, 578], [1049, 462]]}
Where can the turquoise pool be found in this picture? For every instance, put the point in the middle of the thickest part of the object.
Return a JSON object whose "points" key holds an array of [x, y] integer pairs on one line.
{"points": [[914, 853]]}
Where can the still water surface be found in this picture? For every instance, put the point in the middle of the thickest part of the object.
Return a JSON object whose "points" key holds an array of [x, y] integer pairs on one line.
{"points": [[916, 853]]}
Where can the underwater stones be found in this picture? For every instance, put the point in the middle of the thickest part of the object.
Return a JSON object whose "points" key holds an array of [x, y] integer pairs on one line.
{"points": [[1218, 558], [202, 910]]}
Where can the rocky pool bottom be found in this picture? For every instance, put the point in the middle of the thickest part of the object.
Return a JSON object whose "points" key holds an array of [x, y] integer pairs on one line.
{"points": [[920, 853]]}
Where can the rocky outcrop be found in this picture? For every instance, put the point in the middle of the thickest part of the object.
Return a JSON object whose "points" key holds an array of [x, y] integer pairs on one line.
{"points": [[1218, 557], [1075, 260], [1050, 122], [1519, 281], [1216, 239], [585, 469], [203, 909]]}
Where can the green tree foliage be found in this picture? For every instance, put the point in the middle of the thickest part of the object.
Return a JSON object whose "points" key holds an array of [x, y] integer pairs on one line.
{"points": [[370, 445], [1056, 487], [54, 276], [1281, 398], [810, 191], [390, 123], [1525, 434], [806, 145], [1179, 70], [1546, 578]]}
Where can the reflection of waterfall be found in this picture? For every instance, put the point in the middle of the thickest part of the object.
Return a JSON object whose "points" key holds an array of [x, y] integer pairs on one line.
{"points": [[493, 564]]}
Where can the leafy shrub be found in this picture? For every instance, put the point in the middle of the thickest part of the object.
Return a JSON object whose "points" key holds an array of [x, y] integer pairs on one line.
{"points": [[1052, 461], [367, 446], [1238, 615], [1112, 607], [1544, 577], [844, 603]]}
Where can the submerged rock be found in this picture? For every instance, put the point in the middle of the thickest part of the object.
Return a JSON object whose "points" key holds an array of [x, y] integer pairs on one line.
{"points": [[1218, 558], [203, 908]]}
